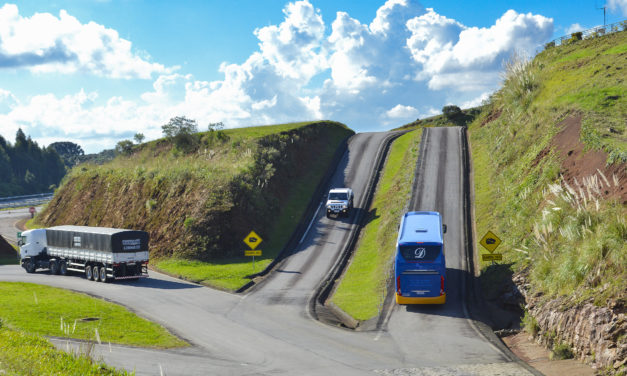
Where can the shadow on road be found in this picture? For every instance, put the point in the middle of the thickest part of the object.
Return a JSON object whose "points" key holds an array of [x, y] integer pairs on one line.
{"points": [[162, 284], [454, 306]]}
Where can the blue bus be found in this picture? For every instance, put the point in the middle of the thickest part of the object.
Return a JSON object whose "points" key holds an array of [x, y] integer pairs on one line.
{"points": [[419, 267]]}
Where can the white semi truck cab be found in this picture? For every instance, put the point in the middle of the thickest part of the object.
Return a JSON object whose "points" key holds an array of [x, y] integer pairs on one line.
{"points": [[101, 253]]}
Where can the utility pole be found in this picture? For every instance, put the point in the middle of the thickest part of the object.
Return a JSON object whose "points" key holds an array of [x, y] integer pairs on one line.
{"points": [[603, 7]]}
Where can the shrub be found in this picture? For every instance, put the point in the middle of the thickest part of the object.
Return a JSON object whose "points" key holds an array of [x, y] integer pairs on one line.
{"points": [[562, 351], [530, 324], [124, 147], [451, 112], [181, 130]]}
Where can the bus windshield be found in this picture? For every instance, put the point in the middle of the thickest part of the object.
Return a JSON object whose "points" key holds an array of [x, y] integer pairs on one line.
{"points": [[420, 252]]}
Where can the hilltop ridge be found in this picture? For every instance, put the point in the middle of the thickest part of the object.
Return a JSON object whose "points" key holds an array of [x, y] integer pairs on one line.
{"points": [[199, 204]]}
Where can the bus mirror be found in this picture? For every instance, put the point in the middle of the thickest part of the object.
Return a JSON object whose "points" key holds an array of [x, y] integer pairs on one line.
{"points": [[444, 228]]}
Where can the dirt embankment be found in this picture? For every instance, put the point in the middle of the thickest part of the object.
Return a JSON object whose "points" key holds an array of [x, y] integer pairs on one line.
{"points": [[597, 335], [6, 250], [189, 214], [579, 164]]}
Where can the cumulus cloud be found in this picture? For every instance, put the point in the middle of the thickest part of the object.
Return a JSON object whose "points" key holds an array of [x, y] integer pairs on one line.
{"points": [[293, 47], [618, 4], [406, 62], [402, 112], [462, 58], [45, 43], [574, 28]]}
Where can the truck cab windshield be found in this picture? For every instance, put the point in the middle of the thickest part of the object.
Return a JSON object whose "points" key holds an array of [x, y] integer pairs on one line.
{"points": [[337, 196]]}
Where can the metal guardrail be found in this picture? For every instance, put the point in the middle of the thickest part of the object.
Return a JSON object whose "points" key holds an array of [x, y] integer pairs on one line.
{"points": [[27, 200], [589, 33]]}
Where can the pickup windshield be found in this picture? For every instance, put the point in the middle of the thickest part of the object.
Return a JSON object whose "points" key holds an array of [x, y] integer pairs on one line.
{"points": [[338, 196]]}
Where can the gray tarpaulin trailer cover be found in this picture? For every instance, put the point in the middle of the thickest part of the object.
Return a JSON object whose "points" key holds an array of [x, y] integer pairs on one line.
{"points": [[102, 239]]}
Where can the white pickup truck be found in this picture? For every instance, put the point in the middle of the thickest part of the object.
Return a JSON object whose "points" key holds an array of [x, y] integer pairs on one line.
{"points": [[340, 202], [103, 254]]}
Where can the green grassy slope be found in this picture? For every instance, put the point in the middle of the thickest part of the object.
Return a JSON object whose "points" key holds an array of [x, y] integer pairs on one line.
{"points": [[199, 203], [51, 311], [564, 229], [28, 354], [362, 289]]}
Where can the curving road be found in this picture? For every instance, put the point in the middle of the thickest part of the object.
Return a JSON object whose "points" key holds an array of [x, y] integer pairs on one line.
{"points": [[269, 330]]}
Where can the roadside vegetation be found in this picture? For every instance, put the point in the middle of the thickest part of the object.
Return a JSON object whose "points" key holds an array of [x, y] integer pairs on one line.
{"points": [[363, 287], [26, 168], [451, 116], [22, 353], [200, 194], [51, 311], [564, 225]]}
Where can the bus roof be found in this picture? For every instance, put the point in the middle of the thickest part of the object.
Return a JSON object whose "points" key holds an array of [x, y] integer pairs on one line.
{"points": [[421, 226]]}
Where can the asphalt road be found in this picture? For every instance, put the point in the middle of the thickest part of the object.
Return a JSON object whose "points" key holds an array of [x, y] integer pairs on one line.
{"points": [[8, 218], [269, 330]]}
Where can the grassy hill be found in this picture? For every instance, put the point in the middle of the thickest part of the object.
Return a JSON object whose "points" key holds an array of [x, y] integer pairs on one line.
{"points": [[549, 154], [199, 203]]}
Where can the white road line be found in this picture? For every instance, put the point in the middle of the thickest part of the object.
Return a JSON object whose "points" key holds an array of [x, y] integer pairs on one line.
{"points": [[310, 223]]}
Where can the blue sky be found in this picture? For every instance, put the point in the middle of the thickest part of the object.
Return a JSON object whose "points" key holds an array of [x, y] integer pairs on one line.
{"points": [[96, 72]]}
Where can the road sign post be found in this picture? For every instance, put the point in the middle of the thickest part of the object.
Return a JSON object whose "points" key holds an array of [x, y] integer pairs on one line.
{"points": [[492, 257], [252, 240]]}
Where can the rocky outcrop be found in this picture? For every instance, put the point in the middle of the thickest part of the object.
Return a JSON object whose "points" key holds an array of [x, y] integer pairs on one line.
{"points": [[596, 335]]}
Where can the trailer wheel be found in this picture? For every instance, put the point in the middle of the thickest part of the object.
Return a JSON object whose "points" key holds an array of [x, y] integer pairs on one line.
{"points": [[54, 267], [63, 268], [29, 265], [103, 274], [95, 273], [88, 273]]}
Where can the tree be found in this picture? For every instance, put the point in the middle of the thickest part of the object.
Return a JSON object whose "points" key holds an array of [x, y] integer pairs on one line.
{"points": [[139, 138], [69, 152], [179, 125], [181, 130], [451, 112], [215, 126], [124, 147]]}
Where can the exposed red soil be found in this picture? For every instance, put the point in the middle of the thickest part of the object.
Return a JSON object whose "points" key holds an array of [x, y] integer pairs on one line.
{"points": [[578, 164], [495, 114], [5, 248]]}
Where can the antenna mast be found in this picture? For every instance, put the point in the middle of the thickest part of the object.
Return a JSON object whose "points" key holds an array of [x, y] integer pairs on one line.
{"points": [[603, 7]]}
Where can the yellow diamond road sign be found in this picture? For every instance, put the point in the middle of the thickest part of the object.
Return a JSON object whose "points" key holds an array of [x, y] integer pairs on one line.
{"points": [[252, 240], [490, 241]]}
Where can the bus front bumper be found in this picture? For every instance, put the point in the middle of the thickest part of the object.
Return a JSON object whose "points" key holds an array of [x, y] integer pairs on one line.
{"points": [[417, 300]]}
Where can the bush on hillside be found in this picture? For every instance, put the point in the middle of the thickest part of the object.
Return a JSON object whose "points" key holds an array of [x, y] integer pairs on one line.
{"points": [[124, 147], [452, 112], [181, 130]]}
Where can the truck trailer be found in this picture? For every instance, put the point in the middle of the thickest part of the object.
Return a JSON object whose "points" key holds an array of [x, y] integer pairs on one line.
{"points": [[101, 253]]}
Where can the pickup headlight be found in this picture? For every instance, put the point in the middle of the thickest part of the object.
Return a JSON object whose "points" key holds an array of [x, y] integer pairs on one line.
{"points": [[344, 206]]}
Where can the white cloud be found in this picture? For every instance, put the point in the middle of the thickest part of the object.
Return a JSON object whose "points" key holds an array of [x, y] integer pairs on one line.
{"points": [[453, 56], [402, 112], [478, 101], [618, 4], [574, 28], [293, 47], [353, 72], [45, 43]]}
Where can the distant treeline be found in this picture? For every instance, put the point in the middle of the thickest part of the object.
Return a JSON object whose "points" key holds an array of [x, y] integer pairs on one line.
{"points": [[25, 168]]}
